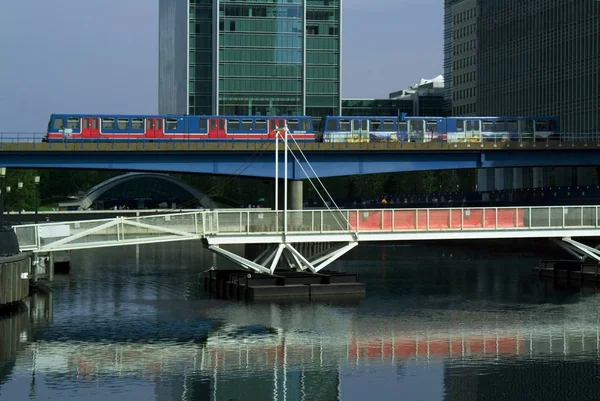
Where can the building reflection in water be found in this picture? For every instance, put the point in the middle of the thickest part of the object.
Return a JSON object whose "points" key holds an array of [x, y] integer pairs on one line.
{"points": [[19, 331]]}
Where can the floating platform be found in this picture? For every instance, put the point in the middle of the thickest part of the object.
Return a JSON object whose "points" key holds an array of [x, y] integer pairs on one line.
{"points": [[289, 285], [569, 270]]}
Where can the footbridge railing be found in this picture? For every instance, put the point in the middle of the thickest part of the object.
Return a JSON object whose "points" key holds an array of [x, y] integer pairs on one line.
{"points": [[267, 226]]}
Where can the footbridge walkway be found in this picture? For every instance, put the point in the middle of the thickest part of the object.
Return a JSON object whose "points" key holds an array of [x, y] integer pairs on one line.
{"points": [[281, 232]]}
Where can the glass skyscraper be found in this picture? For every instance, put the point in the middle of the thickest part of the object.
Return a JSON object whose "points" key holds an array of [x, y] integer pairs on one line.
{"points": [[460, 56], [526, 58], [260, 57], [540, 58]]}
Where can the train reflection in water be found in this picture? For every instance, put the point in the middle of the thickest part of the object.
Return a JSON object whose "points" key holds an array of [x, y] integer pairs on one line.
{"points": [[250, 349]]}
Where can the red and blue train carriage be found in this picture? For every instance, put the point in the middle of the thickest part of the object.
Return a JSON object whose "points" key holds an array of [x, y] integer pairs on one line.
{"points": [[95, 128]]}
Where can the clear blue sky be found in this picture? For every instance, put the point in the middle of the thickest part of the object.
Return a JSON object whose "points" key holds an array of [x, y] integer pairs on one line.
{"points": [[101, 56]]}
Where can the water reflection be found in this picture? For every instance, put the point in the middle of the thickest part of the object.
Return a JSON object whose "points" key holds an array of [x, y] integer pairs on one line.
{"points": [[437, 324]]}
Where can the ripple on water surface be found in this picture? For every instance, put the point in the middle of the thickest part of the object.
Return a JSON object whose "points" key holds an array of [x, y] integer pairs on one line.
{"points": [[437, 324]]}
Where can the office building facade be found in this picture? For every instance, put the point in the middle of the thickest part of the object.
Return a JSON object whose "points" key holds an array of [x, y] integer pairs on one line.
{"points": [[425, 98], [272, 57], [460, 56], [540, 58], [530, 58]]}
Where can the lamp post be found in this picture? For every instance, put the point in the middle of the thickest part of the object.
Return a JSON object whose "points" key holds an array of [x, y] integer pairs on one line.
{"points": [[20, 188], [36, 181], [7, 206], [2, 175]]}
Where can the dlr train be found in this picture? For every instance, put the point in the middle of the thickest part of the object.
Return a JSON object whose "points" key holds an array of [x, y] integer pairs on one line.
{"points": [[151, 128]]}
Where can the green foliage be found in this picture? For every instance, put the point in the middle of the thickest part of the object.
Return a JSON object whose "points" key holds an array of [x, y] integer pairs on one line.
{"points": [[57, 185]]}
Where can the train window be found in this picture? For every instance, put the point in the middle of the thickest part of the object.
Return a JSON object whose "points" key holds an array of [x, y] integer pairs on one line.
{"points": [[388, 125], [552, 125], [137, 123], [541, 125], [469, 125], [512, 125], [331, 125], [460, 125], [292, 125], [487, 126], [416, 125], [355, 125], [432, 126], [150, 124], [233, 124], [344, 125], [86, 123], [108, 123], [306, 125], [202, 124], [365, 125], [73, 123], [247, 124], [500, 126], [261, 124], [213, 124], [402, 126], [159, 124], [122, 123], [171, 124], [476, 125], [59, 123], [375, 125], [221, 123], [94, 123]]}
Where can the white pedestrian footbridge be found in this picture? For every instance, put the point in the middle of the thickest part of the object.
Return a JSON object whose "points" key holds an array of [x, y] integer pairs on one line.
{"points": [[282, 231]]}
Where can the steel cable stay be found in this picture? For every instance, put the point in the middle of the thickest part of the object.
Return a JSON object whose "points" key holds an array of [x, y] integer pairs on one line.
{"points": [[320, 182], [235, 174]]}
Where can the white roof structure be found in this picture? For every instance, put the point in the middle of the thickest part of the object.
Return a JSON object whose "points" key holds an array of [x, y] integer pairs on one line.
{"points": [[424, 86]]}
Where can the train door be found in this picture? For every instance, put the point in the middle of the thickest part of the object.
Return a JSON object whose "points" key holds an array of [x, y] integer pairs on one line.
{"points": [[416, 131], [216, 128], [526, 131], [472, 131], [359, 131], [354, 131], [274, 125], [90, 127], [154, 128]]}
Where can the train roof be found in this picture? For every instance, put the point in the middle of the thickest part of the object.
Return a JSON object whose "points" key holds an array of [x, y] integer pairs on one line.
{"points": [[440, 117], [167, 115], [298, 117]]}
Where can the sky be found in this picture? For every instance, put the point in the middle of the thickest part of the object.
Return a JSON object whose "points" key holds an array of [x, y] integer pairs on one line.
{"points": [[80, 56]]}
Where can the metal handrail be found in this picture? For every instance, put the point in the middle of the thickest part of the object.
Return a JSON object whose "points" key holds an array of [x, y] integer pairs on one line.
{"points": [[256, 222]]}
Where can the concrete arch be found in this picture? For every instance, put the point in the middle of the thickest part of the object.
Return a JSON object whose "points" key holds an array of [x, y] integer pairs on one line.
{"points": [[105, 187]]}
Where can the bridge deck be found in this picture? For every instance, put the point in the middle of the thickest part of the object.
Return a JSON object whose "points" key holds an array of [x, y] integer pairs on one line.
{"points": [[266, 226], [254, 146]]}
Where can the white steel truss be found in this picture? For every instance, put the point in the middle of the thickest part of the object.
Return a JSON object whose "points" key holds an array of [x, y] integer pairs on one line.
{"points": [[268, 260], [53, 237]]}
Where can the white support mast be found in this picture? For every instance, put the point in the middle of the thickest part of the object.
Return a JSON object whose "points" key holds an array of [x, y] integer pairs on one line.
{"points": [[285, 182], [277, 176]]}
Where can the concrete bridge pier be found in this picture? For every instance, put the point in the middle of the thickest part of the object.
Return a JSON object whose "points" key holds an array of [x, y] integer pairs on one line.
{"points": [[42, 267], [295, 195]]}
